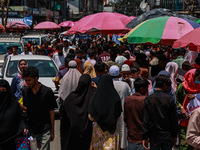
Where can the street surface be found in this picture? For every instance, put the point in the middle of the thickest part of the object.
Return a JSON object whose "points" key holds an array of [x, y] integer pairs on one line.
{"points": [[55, 145]]}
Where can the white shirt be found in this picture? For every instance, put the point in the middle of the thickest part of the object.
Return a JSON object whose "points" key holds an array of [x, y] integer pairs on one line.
{"points": [[29, 53], [59, 60]]}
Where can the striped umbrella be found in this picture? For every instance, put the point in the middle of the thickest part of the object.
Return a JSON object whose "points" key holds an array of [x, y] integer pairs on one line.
{"points": [[162, 30]]}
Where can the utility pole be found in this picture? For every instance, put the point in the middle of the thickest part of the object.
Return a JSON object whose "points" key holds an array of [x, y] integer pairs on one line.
{"points": [[6, 17]]}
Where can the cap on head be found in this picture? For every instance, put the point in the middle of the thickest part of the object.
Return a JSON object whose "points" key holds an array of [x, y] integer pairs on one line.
{"points": [[125, 68], [72, 64], [114, 71]]}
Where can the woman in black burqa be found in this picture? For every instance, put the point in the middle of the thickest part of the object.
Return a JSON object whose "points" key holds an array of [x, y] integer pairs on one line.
{"points": [[11, 120], [105, 109], [76, 128]]}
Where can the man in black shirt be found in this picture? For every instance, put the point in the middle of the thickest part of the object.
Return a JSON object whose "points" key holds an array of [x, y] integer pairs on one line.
{"points": [[39, 102], [160, 124]]}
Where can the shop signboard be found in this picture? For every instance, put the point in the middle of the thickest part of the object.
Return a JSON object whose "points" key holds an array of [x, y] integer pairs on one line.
{"points": [[36, 11], [42, 11], [49, 15]]}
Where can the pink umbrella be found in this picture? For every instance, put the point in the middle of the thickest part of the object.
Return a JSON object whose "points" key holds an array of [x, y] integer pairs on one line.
{"points": [[67, 24], [105, 23], [46, 25], [191, 39], [17, 25], [132, 17]]}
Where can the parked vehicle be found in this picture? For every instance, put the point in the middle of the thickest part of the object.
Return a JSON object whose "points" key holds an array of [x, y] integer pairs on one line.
{"points": [[38, 39], [9, 40], [46, 66]]}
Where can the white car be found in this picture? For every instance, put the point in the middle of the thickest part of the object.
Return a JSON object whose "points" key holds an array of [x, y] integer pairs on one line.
{"points": [[39, 39], [46, 66], [9, 40]]}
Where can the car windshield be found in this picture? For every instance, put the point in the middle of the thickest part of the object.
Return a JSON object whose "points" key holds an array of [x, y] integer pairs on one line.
{"points": [[46, 68], [37, 40], [4, 45]]}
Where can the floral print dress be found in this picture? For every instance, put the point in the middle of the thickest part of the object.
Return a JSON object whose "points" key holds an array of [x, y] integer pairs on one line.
{"points": [[104, 140]]}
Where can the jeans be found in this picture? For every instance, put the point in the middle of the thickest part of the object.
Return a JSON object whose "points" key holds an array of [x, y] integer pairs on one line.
{"points": [[43, 140], [135, 146], [161, 147]]}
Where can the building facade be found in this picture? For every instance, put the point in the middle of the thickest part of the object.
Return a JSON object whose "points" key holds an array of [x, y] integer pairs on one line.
{"points": [[52, 10]]}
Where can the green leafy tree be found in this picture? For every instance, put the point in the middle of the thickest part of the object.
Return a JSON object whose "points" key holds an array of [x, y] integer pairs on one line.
{"points": [[128, 7]]}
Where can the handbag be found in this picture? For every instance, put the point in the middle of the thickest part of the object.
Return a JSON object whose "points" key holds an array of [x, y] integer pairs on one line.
{"points": [[23, 143]]}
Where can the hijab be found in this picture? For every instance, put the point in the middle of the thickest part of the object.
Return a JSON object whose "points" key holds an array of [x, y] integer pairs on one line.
{"points": [[79, 65], [129, 62], [172, 68], [69, 81], [105, 106], [189, 83], [144, 72], [89, 69], [76, 105], [127, 51], [11, 123], [20, 73], [191, 88]]}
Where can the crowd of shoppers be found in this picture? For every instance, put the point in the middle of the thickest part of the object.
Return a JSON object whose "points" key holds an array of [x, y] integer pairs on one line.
{"points": [[112, 97]]}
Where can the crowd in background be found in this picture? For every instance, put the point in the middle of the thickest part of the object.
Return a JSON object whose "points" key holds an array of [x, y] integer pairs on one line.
{"points": [[114, 96]]}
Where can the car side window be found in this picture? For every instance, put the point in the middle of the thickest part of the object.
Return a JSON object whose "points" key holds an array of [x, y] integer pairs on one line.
{"points": [[12, 69]]}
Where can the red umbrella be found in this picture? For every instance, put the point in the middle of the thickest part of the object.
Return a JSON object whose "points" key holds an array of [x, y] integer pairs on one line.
{"points": [[17, 25], [190, 39], [67, 24], [105, 23], [46, 25]]}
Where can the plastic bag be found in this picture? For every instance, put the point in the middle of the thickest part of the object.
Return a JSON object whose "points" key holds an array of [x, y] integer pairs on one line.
{"points": [[23, 143]]}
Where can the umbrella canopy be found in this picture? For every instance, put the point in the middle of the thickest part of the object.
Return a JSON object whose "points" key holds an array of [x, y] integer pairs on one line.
{"points": [[46, 25], [191, 39], [198, 21], [67, 24], [17, 25], [154, 13], [132, 17], [105, 23], [163, 30]]}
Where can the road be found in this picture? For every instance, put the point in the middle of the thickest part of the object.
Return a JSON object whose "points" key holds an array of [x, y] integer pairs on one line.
{"points": [[55, 145]]}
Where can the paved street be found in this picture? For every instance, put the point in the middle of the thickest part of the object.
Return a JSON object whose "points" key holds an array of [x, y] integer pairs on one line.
{"points": [[55, 145]]}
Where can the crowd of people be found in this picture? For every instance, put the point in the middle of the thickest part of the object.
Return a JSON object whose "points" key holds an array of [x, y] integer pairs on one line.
{"points": [[111, 96]]}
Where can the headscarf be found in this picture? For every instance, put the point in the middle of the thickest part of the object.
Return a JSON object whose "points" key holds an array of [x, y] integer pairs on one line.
{"points": [[191, 88], [127, 51], [20, 73], [89, 69], [129, 62], [144, 72], [147, 53], [69, 81], [11, 123], [172, 68], [120, 60], [171, 90], [105, 106], [76, 105], [79, 65], [189, 83]]}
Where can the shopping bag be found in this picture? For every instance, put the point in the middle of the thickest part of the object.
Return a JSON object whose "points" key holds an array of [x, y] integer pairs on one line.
{"points": [[23, 143]]}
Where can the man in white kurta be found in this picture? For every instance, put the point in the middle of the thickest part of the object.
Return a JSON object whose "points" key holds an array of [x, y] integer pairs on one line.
{"points": [[123, 90]]}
